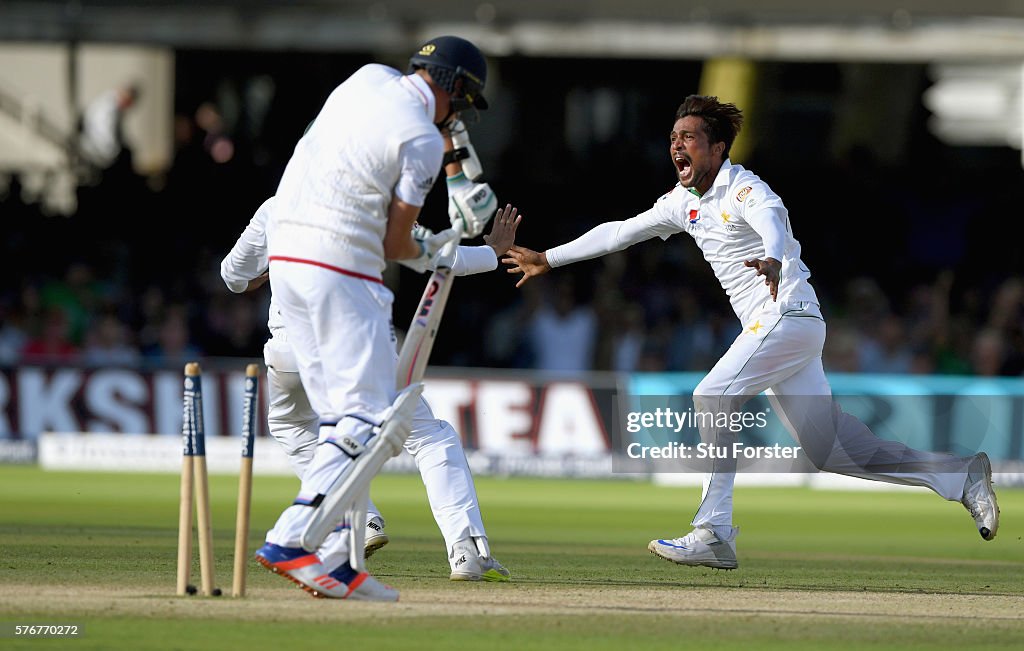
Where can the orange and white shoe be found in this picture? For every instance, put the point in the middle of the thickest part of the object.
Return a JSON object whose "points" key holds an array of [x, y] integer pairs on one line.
{"points": [[305, 569], [362, 586]]}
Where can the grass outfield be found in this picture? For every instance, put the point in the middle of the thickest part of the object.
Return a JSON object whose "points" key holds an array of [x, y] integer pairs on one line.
{"points": [[817, 570]]}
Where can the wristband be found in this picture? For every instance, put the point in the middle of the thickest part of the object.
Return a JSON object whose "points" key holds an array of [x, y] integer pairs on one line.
{"points": [[455, 155]]}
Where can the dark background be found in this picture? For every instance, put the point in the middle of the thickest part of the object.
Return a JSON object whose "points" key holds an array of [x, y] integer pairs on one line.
{"points": [[896, 227]]}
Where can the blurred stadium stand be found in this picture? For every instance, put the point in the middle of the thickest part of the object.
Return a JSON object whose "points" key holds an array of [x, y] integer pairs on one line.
{"points": [[901, 215], [872, 30]]}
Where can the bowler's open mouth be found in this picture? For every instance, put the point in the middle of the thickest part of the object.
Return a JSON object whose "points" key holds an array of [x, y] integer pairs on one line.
{"points": [[682, 165]]}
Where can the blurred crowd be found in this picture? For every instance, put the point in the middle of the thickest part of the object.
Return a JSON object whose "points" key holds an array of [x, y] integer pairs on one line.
{"points": [[72, 295], [647, 321], [132, 277]]}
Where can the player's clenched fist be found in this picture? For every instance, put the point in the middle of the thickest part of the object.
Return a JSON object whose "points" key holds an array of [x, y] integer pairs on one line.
{"points": [[527, 262]]}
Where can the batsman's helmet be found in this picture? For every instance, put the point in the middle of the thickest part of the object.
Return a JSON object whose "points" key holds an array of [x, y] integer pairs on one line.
{"points": [[456, 65]]}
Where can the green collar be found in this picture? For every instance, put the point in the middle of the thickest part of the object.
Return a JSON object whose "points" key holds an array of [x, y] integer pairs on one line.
{"points": [[694, 192]]}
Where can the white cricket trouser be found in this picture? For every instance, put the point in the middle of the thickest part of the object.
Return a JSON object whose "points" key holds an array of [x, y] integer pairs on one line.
{"points": [[779, 353], [433, 444], [339, 329]]}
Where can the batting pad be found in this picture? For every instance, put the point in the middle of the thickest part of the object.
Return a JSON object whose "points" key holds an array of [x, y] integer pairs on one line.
{"points": [[354, 482]]}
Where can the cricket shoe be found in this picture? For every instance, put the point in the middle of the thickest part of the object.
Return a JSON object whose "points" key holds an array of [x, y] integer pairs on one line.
{"points": [[362, 586], [468, 565], [699, 547], [305, 569], [980, 498], [375, 536]]}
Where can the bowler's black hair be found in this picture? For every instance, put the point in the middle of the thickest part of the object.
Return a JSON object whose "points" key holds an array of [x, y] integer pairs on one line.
{"points": [[722, 121]]}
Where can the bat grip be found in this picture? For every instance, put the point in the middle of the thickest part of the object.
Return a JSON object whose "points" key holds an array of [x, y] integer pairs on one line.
{"points": [[448, 250]]}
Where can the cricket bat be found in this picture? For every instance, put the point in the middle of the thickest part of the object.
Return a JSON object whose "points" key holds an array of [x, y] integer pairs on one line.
{"points": [[419, 339], [412, 362]]}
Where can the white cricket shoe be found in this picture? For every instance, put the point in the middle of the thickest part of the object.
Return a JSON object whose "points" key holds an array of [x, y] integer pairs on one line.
{"points": [[468, 565], [375, 536], [699, 547], [980, 498]]}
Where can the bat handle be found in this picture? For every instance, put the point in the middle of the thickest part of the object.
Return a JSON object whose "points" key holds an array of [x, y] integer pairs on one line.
{"points": [[447, 251]]}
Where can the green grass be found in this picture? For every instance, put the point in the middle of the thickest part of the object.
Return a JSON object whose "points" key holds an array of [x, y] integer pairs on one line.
{"points": [[97, 534]]}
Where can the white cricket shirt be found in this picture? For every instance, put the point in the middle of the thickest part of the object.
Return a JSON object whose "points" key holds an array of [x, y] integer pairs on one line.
{"points": [[373, 140], [737, 219], [248, 258]]}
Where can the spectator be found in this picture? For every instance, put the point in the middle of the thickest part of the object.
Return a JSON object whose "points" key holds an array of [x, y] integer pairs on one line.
{"points": [[840, 354], [108, 343], [174, 344], [988, 353], [922, 362], [691, 345], [886, 351], [53, 343], [629, 339], [77, 294], [866, 303], [12, 335], [505, 342], [563, 335], [102, 140], [652, 358], [953, 353]]}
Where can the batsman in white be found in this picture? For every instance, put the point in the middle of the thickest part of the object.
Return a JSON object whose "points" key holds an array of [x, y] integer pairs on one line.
{"points": [[347, 203], [434, 444], [743, 230]]}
